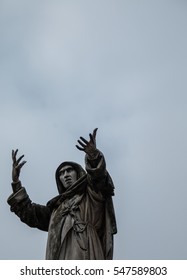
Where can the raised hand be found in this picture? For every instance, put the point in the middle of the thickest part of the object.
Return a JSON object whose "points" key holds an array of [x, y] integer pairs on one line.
{"points": [[89, 147], [16, 166]]}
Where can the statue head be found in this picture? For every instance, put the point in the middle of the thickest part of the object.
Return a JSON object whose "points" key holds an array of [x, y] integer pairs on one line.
{"points": [[67, 174]]}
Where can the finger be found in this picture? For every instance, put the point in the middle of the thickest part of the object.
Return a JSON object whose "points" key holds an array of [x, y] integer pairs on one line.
{"points": [[84, 140], [79, 148], [19, 159], [92, 138], [93, 135], [82, 144], [94, 132], [21, 164], [14, 153]]}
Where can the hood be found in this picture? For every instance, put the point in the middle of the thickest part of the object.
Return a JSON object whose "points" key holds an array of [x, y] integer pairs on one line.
{"points": [[80, 173]]}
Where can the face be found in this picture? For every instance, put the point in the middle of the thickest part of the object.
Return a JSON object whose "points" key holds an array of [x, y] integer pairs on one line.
{"points": [[67, 175]]}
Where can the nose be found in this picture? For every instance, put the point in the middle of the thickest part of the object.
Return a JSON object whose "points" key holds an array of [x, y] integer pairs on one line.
{"points": [[66, 173]]}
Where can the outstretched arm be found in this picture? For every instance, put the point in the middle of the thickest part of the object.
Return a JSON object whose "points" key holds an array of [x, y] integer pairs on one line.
{"points": [[32, 214], [95, 164]]}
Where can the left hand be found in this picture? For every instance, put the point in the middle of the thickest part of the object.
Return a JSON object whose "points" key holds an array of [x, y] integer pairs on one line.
{"points": [[89, 147]]}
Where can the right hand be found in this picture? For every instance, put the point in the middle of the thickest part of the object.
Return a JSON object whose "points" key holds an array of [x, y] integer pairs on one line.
{"points": [[16, 166]]}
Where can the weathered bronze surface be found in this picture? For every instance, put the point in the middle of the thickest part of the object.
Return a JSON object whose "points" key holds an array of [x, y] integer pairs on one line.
{"points": [[80, 220]]}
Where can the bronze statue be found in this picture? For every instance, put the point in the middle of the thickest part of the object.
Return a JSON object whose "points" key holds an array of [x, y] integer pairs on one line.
{"points": [[80, 220]]}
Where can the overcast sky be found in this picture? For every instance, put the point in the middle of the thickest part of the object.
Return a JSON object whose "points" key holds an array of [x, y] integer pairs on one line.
{"points": [[120, 65]]}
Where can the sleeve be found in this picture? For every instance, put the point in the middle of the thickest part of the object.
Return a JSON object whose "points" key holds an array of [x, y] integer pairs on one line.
{"points": [[98, 177], [32, 214]]}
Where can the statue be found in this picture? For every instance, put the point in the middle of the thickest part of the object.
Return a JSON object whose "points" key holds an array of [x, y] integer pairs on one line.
{"points": [[80, 220]]}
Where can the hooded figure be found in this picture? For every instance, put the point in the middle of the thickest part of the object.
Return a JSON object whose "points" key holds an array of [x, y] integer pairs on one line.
{"points": [[80, 221]]}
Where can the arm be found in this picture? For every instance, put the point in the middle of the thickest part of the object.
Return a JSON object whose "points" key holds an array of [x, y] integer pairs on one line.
{"points": [[95, 164], [34, 215]]}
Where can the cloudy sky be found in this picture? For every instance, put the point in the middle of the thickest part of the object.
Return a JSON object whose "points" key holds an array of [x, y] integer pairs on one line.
{"points": [[120, 65]]}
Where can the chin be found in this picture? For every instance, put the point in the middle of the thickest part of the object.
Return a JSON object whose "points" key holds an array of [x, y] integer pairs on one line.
{"points": [[68, 185]]}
